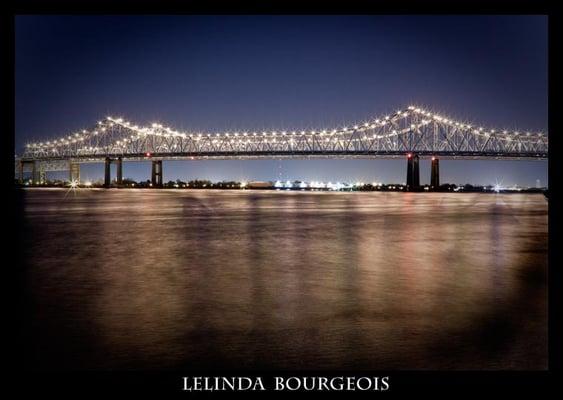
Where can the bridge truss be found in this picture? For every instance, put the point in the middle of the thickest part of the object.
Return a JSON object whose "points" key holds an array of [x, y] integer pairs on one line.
{"points": [[412, 130]]}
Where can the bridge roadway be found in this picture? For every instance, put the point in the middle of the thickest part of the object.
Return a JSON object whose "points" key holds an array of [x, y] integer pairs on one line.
{"points": [[412, 181]]}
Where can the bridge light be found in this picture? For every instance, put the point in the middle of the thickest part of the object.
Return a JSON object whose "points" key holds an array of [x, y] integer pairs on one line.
{"points": [[409, 155], [148, 154]]}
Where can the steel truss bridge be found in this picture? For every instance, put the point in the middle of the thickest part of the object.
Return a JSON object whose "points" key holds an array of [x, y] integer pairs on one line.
{"points": [[413, 132]]}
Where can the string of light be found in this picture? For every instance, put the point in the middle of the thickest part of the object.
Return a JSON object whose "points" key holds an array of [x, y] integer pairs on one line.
{"points": [[393, 121]]}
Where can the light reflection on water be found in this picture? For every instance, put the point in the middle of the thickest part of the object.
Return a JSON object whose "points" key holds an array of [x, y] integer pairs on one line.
{"points": [[150, 279]]}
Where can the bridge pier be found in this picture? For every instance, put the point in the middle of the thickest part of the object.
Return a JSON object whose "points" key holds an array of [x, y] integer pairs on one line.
{"points": [[119, 171], [107, 175], [20, 172], [35, 173], [413, 172], [156, 176], [435, 174], [74, 171]]}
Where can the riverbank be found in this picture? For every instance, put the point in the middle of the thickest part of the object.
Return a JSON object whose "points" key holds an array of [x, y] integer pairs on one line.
{"points": [[387, 189]]}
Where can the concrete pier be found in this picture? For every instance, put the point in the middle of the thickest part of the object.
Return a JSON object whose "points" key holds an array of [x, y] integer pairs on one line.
{"points": [[119, 171], [35, 173], [74, 171], [107, 175], [20, 172], [413, 172], [156, 176], [435, 174]]}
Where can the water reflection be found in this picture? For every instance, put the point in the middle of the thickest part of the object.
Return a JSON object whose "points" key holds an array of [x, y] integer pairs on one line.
{"points": [[142, 279]]}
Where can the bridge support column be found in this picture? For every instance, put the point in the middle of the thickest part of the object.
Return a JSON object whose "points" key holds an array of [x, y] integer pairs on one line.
{"points": [[156, 176], [74, 172], [35, 174], [413, 172], [107, 175], [435, 174], [119, 171], [20, 172]]}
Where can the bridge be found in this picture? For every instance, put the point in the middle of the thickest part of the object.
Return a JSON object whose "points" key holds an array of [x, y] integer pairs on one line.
{"points": [[412, 133]]}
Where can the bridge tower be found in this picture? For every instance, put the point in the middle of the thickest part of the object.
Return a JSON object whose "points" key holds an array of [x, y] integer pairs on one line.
{"points": [[435, 174], [413, 172], [156, 176]]}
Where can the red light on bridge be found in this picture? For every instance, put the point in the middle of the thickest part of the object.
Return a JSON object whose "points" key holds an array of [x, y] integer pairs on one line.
{"points": [[433, 158], [409, 155], [148, 154]]}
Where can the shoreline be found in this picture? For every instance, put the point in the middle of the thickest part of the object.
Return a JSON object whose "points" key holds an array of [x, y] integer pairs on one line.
{"points": [[299, 190]]}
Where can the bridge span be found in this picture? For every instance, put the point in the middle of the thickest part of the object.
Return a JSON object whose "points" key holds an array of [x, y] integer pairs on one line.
{"points": [[412, 133]]}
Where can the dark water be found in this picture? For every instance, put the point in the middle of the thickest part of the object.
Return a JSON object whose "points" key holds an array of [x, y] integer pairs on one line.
{"points": [[158, 279]]}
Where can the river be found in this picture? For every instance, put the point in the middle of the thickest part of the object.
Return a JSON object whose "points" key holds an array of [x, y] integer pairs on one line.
{"points": [[166, 279]]}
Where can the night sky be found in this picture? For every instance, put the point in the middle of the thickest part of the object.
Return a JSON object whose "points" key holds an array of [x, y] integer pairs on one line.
{"points": [[284, 72]]}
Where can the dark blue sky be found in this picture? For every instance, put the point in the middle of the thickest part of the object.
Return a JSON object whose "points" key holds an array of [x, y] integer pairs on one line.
{"points": [[284, 72]]}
